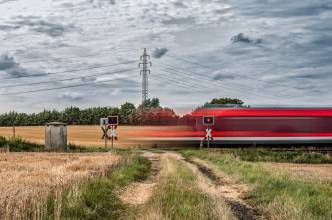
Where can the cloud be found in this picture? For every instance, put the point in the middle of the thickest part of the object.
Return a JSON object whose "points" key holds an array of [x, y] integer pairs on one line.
{"points": [[52, 29], [72, 96], [245, 39], [11, 67], [8, 27], [5, 1], [159, 52], [279, 42], [222, 76]]}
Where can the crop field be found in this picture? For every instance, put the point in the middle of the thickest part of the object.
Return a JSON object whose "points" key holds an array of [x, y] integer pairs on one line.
{"points": [[28, 179], [89, 135]]}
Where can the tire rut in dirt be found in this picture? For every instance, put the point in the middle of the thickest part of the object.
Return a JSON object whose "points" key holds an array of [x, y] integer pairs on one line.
{"points": [[155, 160], [241, 211], [206, 171]]}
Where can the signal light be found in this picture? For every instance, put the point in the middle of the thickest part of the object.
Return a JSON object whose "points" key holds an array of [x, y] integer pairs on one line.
{"points": [[113, 120], [208, 120]]}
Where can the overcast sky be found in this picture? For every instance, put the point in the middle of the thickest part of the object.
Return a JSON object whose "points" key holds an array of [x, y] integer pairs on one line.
{"points": [[261, 51]]}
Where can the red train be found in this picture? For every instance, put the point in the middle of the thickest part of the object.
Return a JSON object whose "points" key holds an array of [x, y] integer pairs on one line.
{"points": [[266, 125]]}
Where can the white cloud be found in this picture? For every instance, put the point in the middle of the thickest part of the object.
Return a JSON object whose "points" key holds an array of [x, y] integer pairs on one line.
{"points": [[285, 44]]}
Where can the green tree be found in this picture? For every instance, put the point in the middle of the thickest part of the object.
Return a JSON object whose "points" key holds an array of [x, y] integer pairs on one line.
{"points": [[126, 112], [225, 101], [150, 104]]}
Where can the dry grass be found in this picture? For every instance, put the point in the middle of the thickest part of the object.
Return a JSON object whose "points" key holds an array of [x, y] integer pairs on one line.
{"points": [[90, 135], [309, 172], [27, 179]]}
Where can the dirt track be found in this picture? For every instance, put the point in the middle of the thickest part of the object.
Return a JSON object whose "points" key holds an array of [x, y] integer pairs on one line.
{"points": [[209, 179], [139, 192]]}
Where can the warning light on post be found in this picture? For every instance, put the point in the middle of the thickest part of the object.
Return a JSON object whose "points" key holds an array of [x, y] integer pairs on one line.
{"points": [[113, 120], [208, 120]]}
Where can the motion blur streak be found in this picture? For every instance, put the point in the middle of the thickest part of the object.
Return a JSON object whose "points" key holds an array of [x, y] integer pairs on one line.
{"points": [[250, 125]]}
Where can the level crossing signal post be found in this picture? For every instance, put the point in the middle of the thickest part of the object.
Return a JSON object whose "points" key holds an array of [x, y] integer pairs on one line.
{"points": [[108, 126], [208, 121]]}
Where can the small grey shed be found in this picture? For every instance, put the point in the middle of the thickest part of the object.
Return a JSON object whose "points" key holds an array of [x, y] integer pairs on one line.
{"points": [[56, 136]]}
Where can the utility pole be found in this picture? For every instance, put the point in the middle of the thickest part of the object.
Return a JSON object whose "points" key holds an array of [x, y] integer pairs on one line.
{"points": [[13, 125], [144, 72]]}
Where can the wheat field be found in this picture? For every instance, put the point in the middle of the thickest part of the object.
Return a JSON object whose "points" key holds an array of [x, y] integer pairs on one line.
{"points": [[27, 179], [90, 135]]}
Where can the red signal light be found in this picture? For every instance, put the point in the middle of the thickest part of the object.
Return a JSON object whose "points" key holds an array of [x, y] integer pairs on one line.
{"points": [[208, 120]]}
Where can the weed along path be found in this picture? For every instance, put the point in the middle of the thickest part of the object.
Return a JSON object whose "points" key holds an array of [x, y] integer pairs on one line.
{"points": [[138, 193]]}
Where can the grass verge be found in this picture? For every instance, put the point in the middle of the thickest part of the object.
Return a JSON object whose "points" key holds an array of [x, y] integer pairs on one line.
{"points": [[19, 145], [277, 195], [256, 155], [178, 196], [96, 198]]}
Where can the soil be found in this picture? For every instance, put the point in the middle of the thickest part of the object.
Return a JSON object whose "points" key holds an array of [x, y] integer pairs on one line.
{"points": [[139, 192]]}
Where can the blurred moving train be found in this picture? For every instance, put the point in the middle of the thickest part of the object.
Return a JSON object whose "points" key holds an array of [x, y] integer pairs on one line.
{"points": [[267, 125], [249, 125]]}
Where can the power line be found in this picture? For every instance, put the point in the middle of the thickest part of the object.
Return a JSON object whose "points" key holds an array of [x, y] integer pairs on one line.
{"points": [[73, 57], [67, 71], [228, 88], [181, 83], [172, 68], [237, 74], [200, 85], [68, 79], [57, 88]]}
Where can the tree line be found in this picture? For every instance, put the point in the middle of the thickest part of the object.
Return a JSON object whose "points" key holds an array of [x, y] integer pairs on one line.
{"points": [[148, 113]]}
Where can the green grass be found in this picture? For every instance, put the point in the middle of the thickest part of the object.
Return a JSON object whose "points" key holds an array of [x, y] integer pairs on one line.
{"points": [[278, 195], [80, 149], [96, 198], [255, 155], [19, 145], [178, 197]]}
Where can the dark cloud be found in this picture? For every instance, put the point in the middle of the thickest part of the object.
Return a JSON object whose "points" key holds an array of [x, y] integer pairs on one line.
{"points": [[9, 27], [159, 52], [245, 39], [11, 67], [222, 76], [47, 27]]}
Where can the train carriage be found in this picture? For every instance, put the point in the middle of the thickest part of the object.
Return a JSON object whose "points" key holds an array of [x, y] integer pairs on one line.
{"points": [[267, 125]]}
